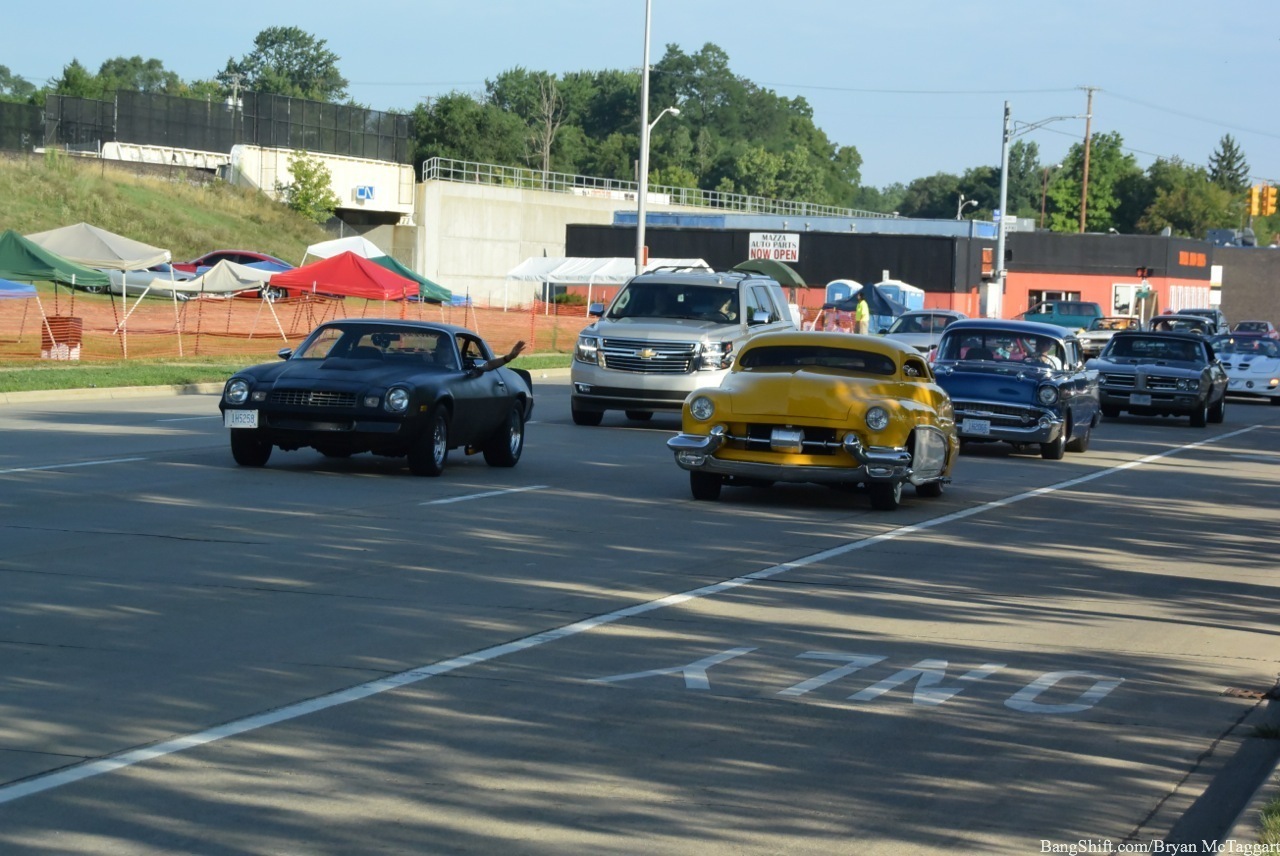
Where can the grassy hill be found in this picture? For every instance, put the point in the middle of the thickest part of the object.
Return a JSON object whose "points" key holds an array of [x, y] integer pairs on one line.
{"points": [[165, 210]]}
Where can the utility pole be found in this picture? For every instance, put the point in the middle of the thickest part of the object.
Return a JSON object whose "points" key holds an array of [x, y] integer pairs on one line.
{"points": [[1084, 184]]}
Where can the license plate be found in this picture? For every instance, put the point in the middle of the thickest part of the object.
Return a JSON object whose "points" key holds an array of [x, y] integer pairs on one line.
{"points": [[240, 419], [975, 426], [1141, 399]]}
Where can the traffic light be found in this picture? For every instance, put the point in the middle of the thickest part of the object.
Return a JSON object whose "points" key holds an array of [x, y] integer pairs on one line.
{"points": [[1255, 201], [1268, 200]]}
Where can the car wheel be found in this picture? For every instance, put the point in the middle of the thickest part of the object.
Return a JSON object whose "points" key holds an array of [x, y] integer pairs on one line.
{"points": [[1219, 411], [274, 293], [1081, 443], [506, 444], [705, 486], [640, 415], [1200, 416], [249, 448], [1110, 412], [929, 490], [431, 450], [885, 496], [586, 417], [94, 289], [1054, 451]]}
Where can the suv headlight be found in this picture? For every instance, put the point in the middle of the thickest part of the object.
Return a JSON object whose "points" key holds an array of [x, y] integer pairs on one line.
{"points": [[588, 349], [1047, 395], [716, 356], [397, 399], [237, 391], [877, 419]]}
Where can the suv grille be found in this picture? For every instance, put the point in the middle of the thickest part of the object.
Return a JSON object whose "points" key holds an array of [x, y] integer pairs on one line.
{"points": [[639, 355], [312, 398]]}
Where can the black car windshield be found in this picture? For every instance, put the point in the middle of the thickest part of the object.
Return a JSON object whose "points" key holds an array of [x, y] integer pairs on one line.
{"points": [[1247, 346], [1157, 348], [809, 356], [1001, 346], [371, 342], [674, 300]]}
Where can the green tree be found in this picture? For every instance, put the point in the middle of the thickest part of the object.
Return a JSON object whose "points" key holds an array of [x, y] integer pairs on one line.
{"points": [[311, 191], [1227, 166], [15, 88], [934, 196], [135, 74], [288, 61], [1109, 167], [458, 126], [1186, 201], [77, 81]]}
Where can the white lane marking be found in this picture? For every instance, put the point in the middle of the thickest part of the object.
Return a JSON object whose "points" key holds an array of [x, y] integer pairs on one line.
{"points": [[128, 758], [188, 418], [69, 466], [484, 495]]}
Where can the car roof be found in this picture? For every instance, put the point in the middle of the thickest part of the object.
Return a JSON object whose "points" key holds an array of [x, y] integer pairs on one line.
{"points": [[1029, 328], [1163, 334], [815, 338], [721, 279], [956, 312]]}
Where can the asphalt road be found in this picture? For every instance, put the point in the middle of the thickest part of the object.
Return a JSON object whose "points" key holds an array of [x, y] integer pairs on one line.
{"points": [[573, 656]]}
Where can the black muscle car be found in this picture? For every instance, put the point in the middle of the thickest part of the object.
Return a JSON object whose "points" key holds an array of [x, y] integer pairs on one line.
{"points": [[395, 388], [1151, 373]]}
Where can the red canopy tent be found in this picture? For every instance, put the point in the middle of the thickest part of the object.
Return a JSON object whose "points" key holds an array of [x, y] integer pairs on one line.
{"points": [[349, 275]]}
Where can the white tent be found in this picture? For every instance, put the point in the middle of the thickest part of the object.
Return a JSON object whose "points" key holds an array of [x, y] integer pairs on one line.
{"points": [[586, 271], [357, 244]]}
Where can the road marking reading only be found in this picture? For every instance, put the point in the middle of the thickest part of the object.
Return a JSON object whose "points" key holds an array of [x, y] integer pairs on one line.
{"points": [[69, 466], [128, 758]]}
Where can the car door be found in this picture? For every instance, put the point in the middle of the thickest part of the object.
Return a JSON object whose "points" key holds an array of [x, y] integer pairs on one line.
{"points": [[481, 398]]}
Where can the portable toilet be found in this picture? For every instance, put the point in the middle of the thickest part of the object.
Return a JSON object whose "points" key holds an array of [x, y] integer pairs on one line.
{"points": [[900, 292], [842, 289]]}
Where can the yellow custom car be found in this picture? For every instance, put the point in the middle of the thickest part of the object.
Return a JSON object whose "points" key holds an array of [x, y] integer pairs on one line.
{"points": [[828, 408]]}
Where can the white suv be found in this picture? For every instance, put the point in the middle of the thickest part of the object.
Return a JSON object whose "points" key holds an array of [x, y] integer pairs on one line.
{"points": [[666, 334]]}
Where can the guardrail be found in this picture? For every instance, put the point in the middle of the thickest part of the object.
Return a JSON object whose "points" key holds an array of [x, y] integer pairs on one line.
{"points": [[468, 172]]}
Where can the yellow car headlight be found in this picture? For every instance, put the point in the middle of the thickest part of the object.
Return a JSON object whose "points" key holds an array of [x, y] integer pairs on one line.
{"points": [[877, 419], [702, 408]]}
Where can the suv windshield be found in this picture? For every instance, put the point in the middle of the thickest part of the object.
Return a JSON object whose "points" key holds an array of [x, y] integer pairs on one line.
{"points": [[674, 300]]}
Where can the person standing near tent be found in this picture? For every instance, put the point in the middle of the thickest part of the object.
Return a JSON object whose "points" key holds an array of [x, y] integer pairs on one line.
{"points": [[861, 316]]}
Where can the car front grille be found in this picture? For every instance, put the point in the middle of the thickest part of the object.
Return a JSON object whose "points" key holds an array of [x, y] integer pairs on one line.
{"points": [[816, 441], [639, 355], [1120, 381], [1161, 383], [312, 398], [1000, 414]]}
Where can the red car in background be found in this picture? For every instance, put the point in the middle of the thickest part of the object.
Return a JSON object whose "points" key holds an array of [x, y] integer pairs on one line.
{"points": [[240, 257]]}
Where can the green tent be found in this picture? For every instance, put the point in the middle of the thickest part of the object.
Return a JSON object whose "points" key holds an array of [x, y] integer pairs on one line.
{"points": [[26, 261], [427, 290]]}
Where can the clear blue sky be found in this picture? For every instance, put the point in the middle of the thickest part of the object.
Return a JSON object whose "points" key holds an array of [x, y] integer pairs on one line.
{"points": [[917, 86]]}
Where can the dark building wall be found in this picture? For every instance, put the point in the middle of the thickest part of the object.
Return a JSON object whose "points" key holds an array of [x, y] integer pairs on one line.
{"points": [[1250, 283], [933, 263], [1107, 255]]}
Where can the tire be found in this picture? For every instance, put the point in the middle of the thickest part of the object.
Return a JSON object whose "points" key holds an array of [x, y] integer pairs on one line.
{"points": [[94, 289], [431, 449], [504, 447], [885, 496], [589, 418], [929, 490], [249, 448], [1110, 412], [639, 415], [1219, 411], [1081, 443], [1055, 450], [1200, 416], [705, 486]]}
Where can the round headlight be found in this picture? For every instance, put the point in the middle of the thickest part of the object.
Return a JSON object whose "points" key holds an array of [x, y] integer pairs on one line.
{"points": [[237, 392], [877, 419], [702, 408], [1047, 395], [398, 399]]}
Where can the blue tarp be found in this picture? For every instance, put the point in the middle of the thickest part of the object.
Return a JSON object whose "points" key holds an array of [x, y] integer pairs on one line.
{"points": [[15, 290]]}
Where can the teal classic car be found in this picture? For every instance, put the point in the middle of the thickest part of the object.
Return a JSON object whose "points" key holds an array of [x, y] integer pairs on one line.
{"points": [[1019, 382]]}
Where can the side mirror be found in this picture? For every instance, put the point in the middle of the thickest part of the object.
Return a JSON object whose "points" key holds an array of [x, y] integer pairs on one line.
{"points": [[596, 309], [759, 316], [284, 353], [884, 330]]}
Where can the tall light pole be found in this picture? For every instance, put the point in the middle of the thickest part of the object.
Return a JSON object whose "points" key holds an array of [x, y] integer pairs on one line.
{"points": [[643, 194], [962, 204], [995, 289]]}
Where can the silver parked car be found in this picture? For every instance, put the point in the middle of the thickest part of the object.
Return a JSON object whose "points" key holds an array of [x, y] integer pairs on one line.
{"points": [[667, 333], [922, 328], [1100, 330]]}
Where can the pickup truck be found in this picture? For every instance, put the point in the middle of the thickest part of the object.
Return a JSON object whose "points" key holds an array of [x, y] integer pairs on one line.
{"points": [[1072, 314]]}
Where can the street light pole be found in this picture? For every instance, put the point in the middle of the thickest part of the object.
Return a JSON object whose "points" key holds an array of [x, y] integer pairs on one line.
{"points": [[643, 178], [962, 204]]}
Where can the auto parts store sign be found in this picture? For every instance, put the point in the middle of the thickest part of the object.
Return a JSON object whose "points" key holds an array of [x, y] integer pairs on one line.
{"points": [[779, 246]]}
